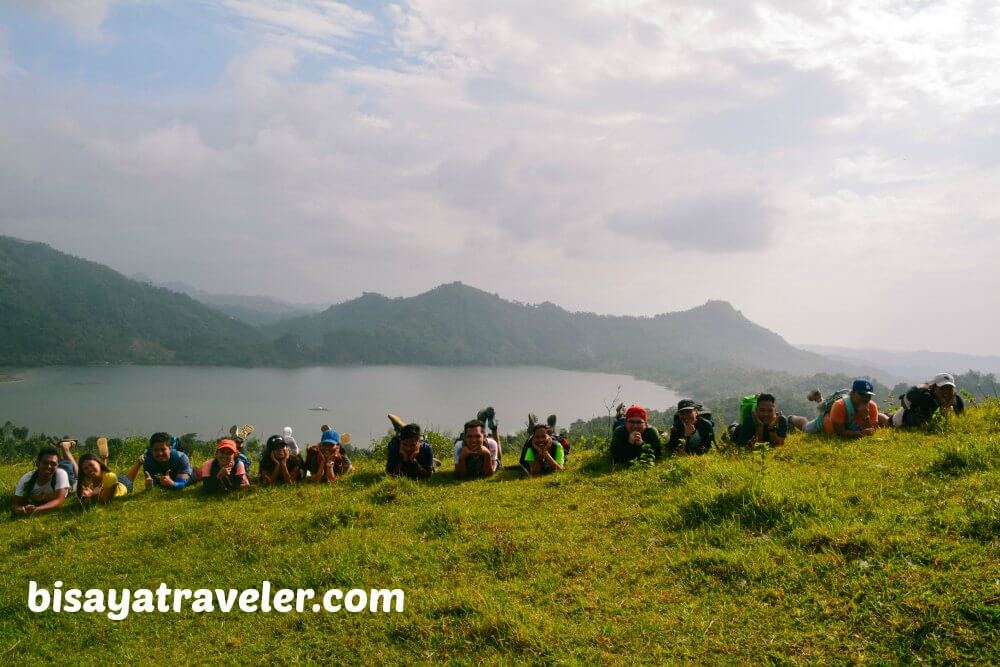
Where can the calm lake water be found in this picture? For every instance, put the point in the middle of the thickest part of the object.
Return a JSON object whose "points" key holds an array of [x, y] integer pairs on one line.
{"points": [[126, 400]]}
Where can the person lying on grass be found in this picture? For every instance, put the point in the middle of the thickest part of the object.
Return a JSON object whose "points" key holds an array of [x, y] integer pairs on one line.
{"points": [[327, 460], [852, 416], [42, 489], [475, 454], [165, 467], [922, 401], [692, 432], [97, 482], [225, 471], [542, 454], [627, 441], [279, 465], [409, 455], [765, 424]]}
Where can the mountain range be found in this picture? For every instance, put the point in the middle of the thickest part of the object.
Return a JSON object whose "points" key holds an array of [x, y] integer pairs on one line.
{"points": [[61, 309]]}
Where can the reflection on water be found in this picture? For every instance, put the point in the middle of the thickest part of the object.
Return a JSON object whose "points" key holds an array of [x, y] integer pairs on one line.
{"points": [[123, 400]]}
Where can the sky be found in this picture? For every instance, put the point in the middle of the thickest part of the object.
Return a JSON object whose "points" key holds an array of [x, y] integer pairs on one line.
{"points": [[829, 168]]}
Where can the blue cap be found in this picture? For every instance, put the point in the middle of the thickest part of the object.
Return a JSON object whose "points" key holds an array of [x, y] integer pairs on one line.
{"points": [[862, 386], [330, 437]]}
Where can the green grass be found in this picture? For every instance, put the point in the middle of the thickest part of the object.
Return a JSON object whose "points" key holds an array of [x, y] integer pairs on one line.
{"points": [[884, 550]]}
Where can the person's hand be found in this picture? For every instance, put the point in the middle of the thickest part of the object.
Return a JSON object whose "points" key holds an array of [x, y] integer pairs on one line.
{"points": [[688, 429], [867, 431], [224, 471], [166, 481], [23, 509], [752, 442], [635, 438]]}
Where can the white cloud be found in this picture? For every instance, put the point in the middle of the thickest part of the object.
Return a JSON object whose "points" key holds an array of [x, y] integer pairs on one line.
{"points": [[494, 141]]}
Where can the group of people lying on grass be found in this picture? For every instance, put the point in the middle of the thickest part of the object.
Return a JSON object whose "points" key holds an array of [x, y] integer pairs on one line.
{"points": [[164, 466], [848, 414], [477, 454]]}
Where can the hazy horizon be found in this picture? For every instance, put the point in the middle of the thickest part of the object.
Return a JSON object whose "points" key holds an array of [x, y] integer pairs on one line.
{"points": [[821, 167]]}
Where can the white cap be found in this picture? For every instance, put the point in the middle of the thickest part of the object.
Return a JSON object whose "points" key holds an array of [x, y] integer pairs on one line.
{"points": [[943, 380], [287, 432]]}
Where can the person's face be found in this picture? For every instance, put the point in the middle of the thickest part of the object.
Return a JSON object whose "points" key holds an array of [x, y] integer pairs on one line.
{"points": [[860, 400], [541, 438], [635, 424], [161, 451], [280, 453], [409, 444], [91, 468], [329, 450], [688, 417], [225, 457], [945, 394], [474, 437], [48, 464], [765, 411]]}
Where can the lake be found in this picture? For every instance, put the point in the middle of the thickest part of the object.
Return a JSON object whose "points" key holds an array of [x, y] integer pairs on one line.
{"points": [[127, 400]]}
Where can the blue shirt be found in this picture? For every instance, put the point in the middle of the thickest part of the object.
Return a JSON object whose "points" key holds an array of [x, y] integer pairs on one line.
{"points": [[177, 465]]}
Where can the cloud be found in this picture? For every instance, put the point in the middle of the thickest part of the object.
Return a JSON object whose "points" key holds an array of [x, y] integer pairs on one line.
{"points": [[84, 17], [713, 222]]}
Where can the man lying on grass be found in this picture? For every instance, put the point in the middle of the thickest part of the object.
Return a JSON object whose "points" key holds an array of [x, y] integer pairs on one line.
{"points": [[852, 416], [542, 454], [409, 455], [627, 441], [692, 432], [475, 454], [165, 467], [42, 489], [921, 402], [765, 424]]}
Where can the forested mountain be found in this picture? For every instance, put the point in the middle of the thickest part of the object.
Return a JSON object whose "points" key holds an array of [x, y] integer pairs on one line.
{"points": [[458, 324], [253, 309], [59, 309]]}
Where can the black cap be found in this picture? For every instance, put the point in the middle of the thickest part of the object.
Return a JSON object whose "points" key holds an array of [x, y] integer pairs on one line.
{"points": [[686, 404], [410, 431], [275, 442]]}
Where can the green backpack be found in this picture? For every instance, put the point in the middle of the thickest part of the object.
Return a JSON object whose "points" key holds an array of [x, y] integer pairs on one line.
{"points": [[826, 406], [747, 405]]}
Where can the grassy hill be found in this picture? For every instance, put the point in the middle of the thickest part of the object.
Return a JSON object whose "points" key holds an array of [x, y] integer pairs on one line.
{"points": [[876, 551], [59, 309]]}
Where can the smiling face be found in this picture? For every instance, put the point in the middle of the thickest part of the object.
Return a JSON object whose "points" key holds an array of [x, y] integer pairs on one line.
{"points": [[161, 452], [91, 469], [47, 466], [329, 449], [688, 417], [635, 425], [541, 438], [765, 411], [409, 444], [945, 395], [474, 437], [225, 457]]}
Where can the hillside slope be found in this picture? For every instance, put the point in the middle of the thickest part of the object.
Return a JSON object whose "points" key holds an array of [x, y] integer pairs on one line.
{"points": [[879, 551], [59, 309]]}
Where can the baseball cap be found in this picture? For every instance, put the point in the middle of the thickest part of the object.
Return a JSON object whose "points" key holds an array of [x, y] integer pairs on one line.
{"points": [[330, 437], [944, 380], [686, 404], [863, 386], [226, 443]]}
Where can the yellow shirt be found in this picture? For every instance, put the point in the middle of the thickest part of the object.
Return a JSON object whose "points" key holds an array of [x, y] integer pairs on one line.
{"points": [[110, 486]]}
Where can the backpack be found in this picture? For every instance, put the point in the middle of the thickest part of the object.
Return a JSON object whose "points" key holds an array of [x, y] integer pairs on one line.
{"points": [[747, 405], [826, 406]]}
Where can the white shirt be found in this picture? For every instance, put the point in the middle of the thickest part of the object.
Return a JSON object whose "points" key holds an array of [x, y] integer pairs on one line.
{"points": [[491, 445], [42, 493]]}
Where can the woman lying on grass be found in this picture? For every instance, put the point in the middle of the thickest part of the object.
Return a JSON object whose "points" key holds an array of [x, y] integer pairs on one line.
{"points": [[225, 472], [279, 465], [98, 483]]}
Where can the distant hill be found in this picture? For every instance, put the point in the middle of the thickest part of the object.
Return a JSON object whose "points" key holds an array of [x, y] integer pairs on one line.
{"points": [[59, 309], [254, 309], [918, 366], [458, 324]]}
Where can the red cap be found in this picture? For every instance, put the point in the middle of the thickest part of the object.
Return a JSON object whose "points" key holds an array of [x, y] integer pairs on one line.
{"points": [[226, 443], [637, 412]]}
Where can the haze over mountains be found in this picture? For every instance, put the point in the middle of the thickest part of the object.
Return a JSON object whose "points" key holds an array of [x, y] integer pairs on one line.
{"points": [[63, 310]]}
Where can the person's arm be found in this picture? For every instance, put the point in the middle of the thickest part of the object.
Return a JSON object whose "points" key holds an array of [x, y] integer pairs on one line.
{"points": [[241, 472], [838, 420], [619, 445], [652, 438], [19, 503], [460, 470], [535, 468], [422, 468], [269, 478], [392, 459], [52, 504], [547, 457], [283, 471], [489, 465], [108, 488]]}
